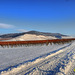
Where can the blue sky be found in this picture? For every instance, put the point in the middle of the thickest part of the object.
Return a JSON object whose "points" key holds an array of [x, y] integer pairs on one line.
{"points": [[56, 16]]}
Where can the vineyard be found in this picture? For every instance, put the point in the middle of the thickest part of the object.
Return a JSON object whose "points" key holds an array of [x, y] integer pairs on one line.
{"points": [[28, 43]]}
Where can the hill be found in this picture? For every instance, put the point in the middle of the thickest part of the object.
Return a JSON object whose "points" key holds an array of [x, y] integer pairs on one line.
{"points": [[13, 35]]}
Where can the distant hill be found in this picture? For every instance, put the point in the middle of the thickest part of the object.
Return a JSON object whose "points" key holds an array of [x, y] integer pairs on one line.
{"points": [[13, 35]]}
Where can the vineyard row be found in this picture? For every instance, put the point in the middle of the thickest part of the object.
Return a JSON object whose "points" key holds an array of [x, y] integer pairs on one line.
{"points": [[20, 43]]}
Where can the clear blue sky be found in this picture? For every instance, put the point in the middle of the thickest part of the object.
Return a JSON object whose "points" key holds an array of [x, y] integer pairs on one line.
{"points": [[56, 16]]}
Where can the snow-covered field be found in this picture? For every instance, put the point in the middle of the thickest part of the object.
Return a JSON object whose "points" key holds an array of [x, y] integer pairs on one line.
{"points": [[32, 37], [38, 60]]}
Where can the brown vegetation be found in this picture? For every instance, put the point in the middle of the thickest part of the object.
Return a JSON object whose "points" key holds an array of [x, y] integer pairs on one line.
{"points": [[28, 43], [5, 39]]}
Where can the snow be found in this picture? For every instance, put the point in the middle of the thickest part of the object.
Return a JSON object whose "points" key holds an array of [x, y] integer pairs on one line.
{"points": [[32, 37], [11, 56], [26, 37], [67, 37], [36, 60]]}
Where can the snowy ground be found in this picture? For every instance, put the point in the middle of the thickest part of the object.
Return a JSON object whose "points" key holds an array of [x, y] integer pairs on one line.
{"points": [[26, 37], [38, 60]]}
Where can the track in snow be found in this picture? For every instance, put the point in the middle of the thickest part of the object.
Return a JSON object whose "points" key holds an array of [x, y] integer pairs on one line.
{"points": [[61, 62]]}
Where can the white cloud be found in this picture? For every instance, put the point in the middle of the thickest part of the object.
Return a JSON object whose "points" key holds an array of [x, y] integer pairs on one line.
{"points": [[6, 26], [21, 30]]}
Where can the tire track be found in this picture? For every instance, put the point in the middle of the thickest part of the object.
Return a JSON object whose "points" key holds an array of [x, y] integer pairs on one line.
{"points": [[49, 65]]}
